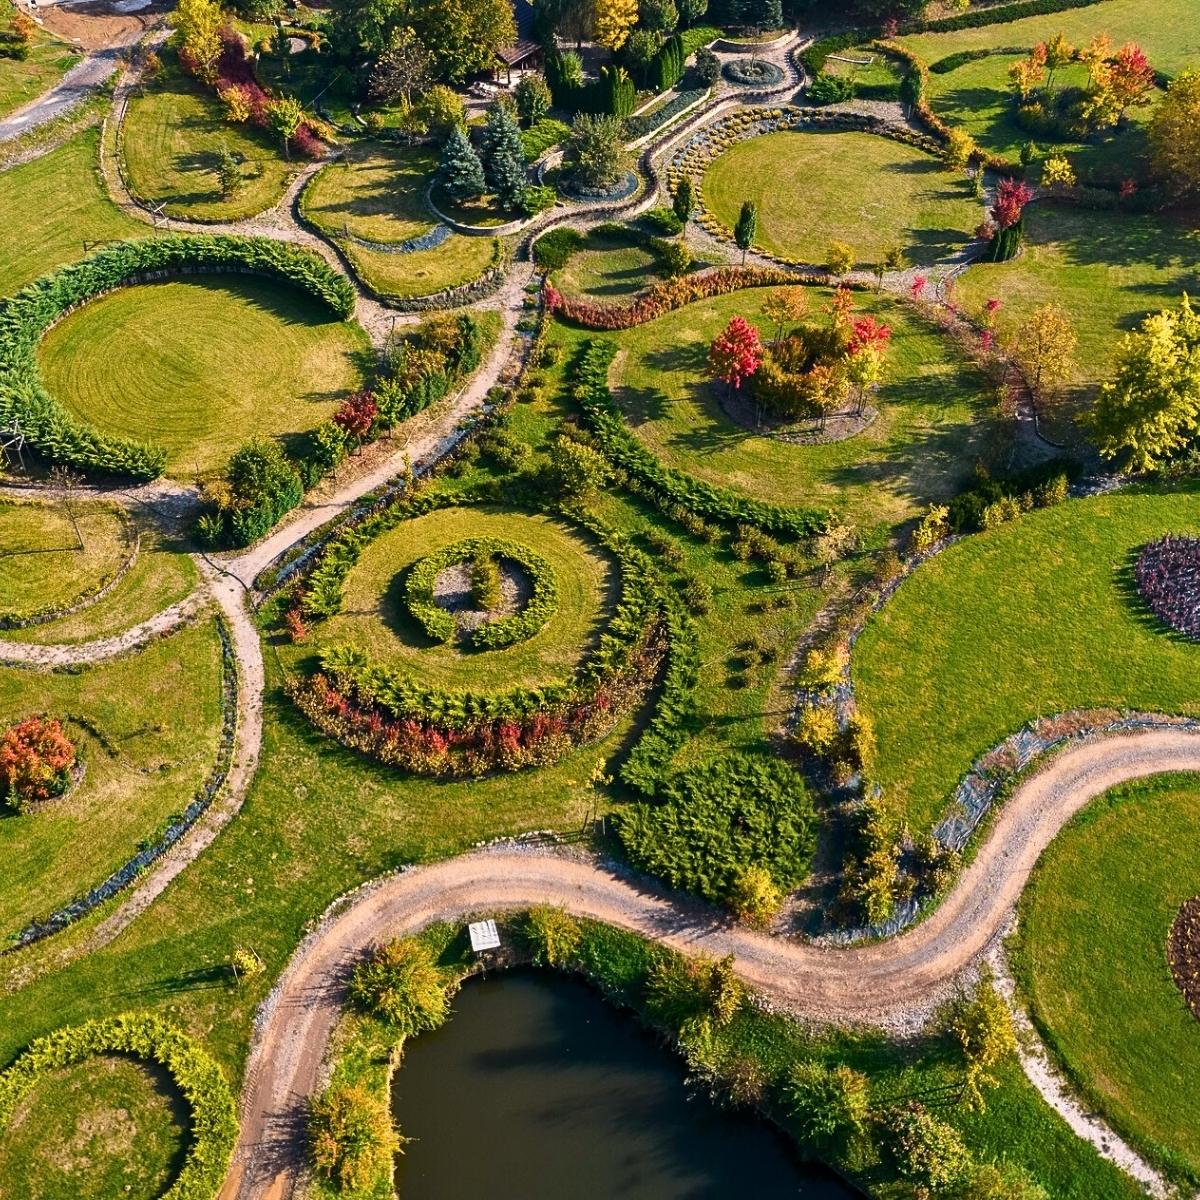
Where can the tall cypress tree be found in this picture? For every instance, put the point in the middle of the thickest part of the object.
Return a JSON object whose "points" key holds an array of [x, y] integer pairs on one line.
{"points": [[460, 172], [503, 157]]}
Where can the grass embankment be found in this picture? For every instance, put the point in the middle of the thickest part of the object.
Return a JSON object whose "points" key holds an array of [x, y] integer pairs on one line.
{"points": [[929, 430], [162, 576], [1037, 617], [977, 94], [1092, 958], [375, 616], [201, 366], [1106, 270], [102, 1128], [868, 191], [171, 140], [50, 207], [146, 727], [48, 560], [48, 61]]}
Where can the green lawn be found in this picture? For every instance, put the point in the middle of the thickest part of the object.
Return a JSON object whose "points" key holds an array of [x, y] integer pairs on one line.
{"points": [[929, 432], [813, 188], [201, 366], [883, 70], [49, 60], [1092, 959], [609, 266], [1033, 618], [162, 575], [975, 94], [375, 618], [374, 191], [51, 206], [1107, 270], [42, 563], [107, 1127], [170, 141], [146, 727], [459, 259]]}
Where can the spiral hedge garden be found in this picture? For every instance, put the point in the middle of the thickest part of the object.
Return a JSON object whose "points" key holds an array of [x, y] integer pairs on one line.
{"points": [[439, 623], [48, 427], [213, 1115]]}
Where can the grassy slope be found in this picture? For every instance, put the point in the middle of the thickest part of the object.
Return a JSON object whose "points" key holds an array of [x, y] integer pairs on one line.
{"points": [[376, 191], [162, 575], [102, 1128], [975, 94], [1092, 959], [459, 259], [814, 188], [375, 617], [1034, 618], [41, 561], [160, 711], [928, 432], [170, 141], [200, 366], [1107, 270], [608, 273], [48, 61], [49, 207]]}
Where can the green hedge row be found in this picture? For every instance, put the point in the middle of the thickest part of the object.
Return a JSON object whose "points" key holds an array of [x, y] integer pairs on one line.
{"points": [[1000, 15], [48, 427], [213, 1115], [665, 487], [439, 624]]}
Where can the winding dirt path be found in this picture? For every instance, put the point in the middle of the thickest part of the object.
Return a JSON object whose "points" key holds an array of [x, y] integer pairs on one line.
{"points": [[893, 984]]}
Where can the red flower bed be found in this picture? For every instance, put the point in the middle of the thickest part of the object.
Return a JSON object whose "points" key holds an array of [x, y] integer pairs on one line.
{"points": [[1183, 953], [36, 758], [1168, 577]]}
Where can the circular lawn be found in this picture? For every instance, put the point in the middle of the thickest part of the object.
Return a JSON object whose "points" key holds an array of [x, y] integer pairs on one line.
{"points": [[1093, 957], [375, 616], [202, 366], [868, 191]]}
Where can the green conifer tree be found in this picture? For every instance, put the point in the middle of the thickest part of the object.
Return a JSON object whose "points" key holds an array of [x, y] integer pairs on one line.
{"points": [[460, 171], [503, 158]]}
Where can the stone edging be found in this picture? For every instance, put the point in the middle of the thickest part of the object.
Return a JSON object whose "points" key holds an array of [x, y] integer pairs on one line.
{"points": [[126, 874], [504, 230], [56, 613]]}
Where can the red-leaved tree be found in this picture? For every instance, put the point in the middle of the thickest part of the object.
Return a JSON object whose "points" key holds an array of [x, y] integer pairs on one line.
{"points": [[1011, 199], [36, 758], [357, 415], [736, 353], [866, 333]]}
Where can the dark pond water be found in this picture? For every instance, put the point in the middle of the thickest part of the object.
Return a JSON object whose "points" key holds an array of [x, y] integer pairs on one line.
{"points": [[537, 1089]]}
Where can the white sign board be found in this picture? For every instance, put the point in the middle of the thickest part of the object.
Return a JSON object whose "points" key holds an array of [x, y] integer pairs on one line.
{"points": [[484, 935]]}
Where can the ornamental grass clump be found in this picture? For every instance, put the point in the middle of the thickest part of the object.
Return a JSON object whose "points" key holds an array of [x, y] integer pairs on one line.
{"points": [[351, 1140], [400, 982], [36, 758]]}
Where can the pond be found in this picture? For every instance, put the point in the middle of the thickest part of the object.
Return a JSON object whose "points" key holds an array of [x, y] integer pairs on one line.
{"points": [[538, 1089]]}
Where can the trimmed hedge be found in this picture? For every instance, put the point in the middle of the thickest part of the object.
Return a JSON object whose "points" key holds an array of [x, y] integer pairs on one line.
{"points": [[664, 487], [439, 624], [213, 1114], [1000, 15], [59, 437]]}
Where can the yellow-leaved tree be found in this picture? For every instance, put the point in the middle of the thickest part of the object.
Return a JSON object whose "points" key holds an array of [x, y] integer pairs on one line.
{"points": [[613, 21]]}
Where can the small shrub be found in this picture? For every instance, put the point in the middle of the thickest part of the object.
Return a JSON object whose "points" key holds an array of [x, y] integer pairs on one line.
{"points": [[664, 221], [400, 982], [350, 1136], [830, 89], [36, 758], [486, 593], [555, 936], [754, 897], [829, 1105]]}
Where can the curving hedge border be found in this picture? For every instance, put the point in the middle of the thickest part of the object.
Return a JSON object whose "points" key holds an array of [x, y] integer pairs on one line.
{"points": [[55, 612], [439, 624], [59, 437], [214, 1124], [663, 486]]}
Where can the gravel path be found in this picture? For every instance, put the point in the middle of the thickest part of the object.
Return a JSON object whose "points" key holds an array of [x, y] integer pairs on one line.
{"points": [[894, 984]]}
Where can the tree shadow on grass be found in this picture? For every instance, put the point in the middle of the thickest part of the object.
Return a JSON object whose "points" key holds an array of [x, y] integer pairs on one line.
{"points": [[641, 406]]}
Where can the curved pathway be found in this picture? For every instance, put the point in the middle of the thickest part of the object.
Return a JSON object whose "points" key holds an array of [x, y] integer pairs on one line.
{"points": [[894, 983]]}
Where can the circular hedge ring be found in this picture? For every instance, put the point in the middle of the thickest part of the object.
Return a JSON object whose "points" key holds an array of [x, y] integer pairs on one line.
{"points": [[439, 623], [210, 1102], [1168, 578], [752, 73]]}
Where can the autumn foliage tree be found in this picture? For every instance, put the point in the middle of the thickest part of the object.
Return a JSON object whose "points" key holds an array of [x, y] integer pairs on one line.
{"points": [[1175, 136], [357, 414], [36, 758], [1117, 85], [1044, 348], [735, 353]]}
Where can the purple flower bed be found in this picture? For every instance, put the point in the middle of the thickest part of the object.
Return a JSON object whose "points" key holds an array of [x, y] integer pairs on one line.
{"points": [[1168, 577]]}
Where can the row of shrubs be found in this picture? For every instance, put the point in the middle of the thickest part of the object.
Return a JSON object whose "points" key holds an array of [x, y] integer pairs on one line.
{"points": [[262, 483], [666, 488], [56, 435], [438, 623], [212, 1114], [646, 123]]}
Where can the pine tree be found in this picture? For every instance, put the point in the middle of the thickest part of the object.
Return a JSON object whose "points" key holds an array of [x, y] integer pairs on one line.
{"points": [[460, 171], [746, 229], [503, 157]]}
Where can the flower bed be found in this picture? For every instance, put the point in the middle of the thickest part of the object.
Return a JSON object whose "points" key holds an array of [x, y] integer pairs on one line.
{"points": [[1183, 953], [439, 624], [1168, 577], [48, 427], [212, 1113], [752, 73]]}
